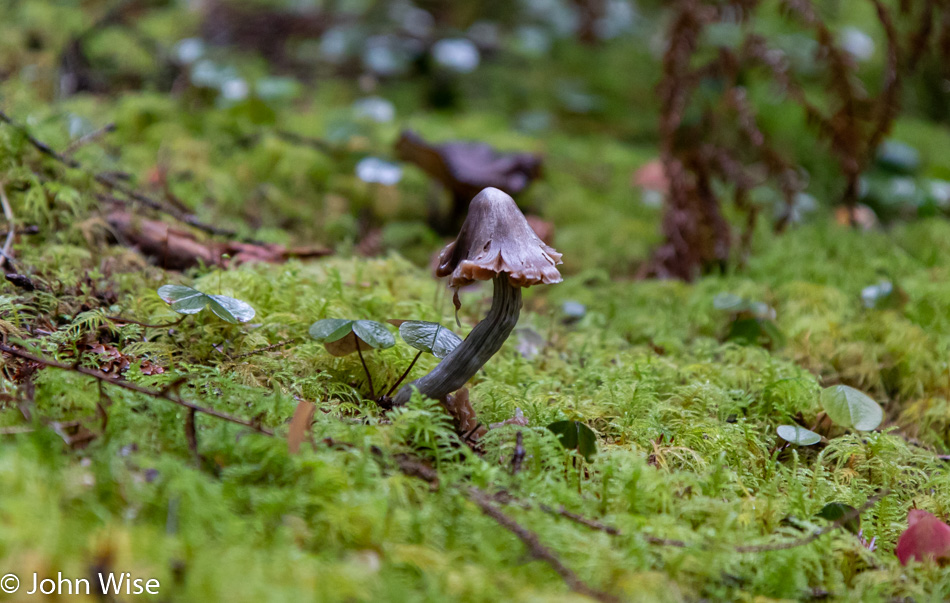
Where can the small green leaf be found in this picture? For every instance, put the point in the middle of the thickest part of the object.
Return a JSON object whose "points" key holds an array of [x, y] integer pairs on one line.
{"points": [[730, 302], [334, 334], [429, 337], [798, 435], [183, 300], [849, 407], [834, 511], [375, 334], [330, 329], [574, 435], [230, 310]]}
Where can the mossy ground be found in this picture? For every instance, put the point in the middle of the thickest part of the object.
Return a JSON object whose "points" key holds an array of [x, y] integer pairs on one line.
{"points": [[686, 421]]}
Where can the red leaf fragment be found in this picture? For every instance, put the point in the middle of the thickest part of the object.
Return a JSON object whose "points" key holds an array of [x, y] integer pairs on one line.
{"points": [[926, 537]]}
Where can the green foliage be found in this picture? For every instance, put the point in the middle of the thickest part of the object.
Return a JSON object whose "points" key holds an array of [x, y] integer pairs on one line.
{"points": [[574, 435], [341, 336], [795, 434], [429, 337], [684, 410], [186, 300], [848, 407]]}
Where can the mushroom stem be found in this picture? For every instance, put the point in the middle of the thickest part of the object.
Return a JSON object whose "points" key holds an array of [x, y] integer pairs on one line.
{"points": [[481, 344]]}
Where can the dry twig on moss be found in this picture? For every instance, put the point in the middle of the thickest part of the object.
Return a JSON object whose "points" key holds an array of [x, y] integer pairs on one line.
{"points": [[163, 394]]}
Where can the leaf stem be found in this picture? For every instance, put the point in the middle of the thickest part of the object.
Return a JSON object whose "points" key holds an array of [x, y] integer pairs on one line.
{"points": [[404, 375], [369, 378]]}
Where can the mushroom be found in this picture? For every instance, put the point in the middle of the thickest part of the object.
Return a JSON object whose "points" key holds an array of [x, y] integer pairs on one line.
{"points": [[465, 168], [495, 243]]}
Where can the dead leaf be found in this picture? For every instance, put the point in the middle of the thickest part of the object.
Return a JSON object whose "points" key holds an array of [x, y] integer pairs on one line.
{"points": [[300, 425], [926, 537]]}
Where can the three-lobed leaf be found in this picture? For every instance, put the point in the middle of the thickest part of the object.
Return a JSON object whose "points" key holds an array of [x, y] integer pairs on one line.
{"points": [[795, 434], [429, 337], [849, 407]]}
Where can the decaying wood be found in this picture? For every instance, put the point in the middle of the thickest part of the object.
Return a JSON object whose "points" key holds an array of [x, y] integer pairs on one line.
{"points": [[178, 249]]}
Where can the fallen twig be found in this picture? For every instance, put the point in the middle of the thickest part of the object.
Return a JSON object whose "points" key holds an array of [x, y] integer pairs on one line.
{"points": [[266, 348], [146, 325], [112, 183], [163, 394], [779, 546], [6, 253], [535, 548], [87, 138]]}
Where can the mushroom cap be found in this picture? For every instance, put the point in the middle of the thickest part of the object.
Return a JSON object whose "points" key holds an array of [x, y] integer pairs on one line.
{"points": [[496, 239], [466, 168]]}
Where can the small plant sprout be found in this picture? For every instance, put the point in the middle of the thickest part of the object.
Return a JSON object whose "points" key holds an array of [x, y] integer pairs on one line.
{"points": [[341, 337], [186, 300], [495, 243]]}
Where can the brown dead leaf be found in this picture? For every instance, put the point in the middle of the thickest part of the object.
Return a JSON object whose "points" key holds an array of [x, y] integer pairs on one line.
{"points": [[300, 425]]}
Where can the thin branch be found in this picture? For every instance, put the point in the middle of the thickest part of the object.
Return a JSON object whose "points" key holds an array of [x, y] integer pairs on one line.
{"points": [[146, 325], [87, 138], [11, 232], [535, 548], [16, 429], [112, 183], [164, 394], [191, 435], [779, 546], [266, 348]]}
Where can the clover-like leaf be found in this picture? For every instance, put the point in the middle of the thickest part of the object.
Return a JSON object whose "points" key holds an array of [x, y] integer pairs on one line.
{"points": [[795, 434], [187, 300], [849, 407], [341, 336], [834, 511], [574, 435], [229, 309], [329, 330], [730, 302], [374, 333], [182, 299], [429, 337]]}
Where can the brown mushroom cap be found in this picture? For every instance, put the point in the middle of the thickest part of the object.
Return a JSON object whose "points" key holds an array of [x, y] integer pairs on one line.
{"points": [[496, 239]]}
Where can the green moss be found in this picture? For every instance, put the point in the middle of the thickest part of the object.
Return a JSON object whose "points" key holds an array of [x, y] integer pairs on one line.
{"points": [[685, 420]]}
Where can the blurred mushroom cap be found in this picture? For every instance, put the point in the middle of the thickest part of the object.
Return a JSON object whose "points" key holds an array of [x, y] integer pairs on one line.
{"points": [[466, 168], [496, 239]]}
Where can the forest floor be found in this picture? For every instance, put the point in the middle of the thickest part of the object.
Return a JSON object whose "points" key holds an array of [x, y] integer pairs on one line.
{"points": [[690, 495]]}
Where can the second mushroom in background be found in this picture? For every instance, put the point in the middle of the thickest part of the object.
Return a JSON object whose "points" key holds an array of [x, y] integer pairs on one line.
{"points": [[465, 169]]}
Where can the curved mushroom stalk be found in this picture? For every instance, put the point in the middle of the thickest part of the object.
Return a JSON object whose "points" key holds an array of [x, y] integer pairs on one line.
{"points": [[495, 243], [481, 344]]}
